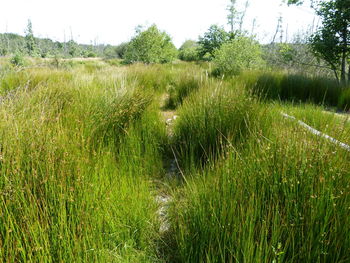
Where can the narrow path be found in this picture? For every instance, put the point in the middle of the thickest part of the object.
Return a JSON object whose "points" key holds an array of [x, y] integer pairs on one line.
{"points": [[168, 115], [170, 165]]}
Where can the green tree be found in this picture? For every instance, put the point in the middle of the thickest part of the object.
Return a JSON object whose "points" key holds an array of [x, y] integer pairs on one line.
{"points": [[332, 41], [2, 48], [109, 52], [295, 2], [120, 49], [325, 46], [212, 40], [45, 47], [189, 51], [240, 53], [150, 46], [30, 40], [73, 49]]}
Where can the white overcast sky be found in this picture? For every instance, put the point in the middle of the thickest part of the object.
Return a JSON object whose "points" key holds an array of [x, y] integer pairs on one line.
{"points": [[114, 21]]}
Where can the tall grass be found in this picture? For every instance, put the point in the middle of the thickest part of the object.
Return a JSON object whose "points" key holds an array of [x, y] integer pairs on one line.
{"points": [[333, 124], [82, 152], [31, 78], [344, 100], [64, 200], [296, 88], [284, 198], [183, 86], [211, 119]]}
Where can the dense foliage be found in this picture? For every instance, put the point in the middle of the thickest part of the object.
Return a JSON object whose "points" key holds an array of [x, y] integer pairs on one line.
{"points": [[150, 46], [189, 51], [211, 41], [331, 42], [240, 53]]}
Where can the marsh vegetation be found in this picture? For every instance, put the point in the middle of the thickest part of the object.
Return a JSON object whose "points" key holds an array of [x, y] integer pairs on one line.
{"points": [[85, 153], [153, 154]]}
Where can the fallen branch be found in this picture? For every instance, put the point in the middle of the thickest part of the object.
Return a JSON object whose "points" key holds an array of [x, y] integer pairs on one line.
{"points": [[318, 133]]}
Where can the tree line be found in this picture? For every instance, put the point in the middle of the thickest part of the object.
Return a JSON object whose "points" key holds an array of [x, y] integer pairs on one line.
{"points": [[29, 45], [325, 50]]}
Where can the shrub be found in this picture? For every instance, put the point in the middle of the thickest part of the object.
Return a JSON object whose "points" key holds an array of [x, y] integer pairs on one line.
{"points": [[189, 51], [120, 49], [150, 46], [237, 55], [18, 60]]}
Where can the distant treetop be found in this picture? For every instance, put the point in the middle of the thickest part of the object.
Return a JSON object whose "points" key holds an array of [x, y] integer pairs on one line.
{"points": [[150, 46]]}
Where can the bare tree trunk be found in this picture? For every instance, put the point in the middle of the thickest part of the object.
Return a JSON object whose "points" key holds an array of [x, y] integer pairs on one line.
{"points": [[279, 24], [334, 68], [243, 15], [343, 67], [336, 74], [232, 14], [253, 27], [344, 51]]}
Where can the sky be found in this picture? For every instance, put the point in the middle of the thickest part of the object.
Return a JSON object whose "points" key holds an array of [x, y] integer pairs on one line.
{"points": [[114, 21]]}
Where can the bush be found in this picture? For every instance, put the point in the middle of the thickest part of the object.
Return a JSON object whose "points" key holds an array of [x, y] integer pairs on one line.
{"points": [[237, 55], [150, 46], [18, 60], [189, 51], [120, 49]]}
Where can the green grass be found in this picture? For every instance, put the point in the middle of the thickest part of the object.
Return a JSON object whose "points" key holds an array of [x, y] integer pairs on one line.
{"points": [[183, 86], [344, 100], [330, 123], [84, 152], [283, 198], [298, 88], [68, 194], [211, 119]]}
